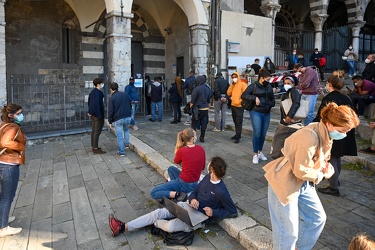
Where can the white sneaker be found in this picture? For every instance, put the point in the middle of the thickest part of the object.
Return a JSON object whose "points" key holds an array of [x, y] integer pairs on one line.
{"points": [[9, 231], [350, 76], [216, 130], [11, 219], [262, 157], [186, 123], [135, 127], [255, 159]]}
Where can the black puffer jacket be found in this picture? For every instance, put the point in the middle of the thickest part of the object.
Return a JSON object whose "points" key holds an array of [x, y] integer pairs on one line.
{"points": [[294, 94], [264, 93]]}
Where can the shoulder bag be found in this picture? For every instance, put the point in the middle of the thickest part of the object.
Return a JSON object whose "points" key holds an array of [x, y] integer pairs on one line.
{"points": [[249, 105], [302, 111]]}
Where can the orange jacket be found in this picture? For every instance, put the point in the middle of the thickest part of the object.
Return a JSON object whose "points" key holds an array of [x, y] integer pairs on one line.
{"points": [[14, 141], [235, 91]]}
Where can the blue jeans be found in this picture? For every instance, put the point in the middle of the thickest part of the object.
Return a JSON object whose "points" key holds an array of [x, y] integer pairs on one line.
{"points": [[260, 123], [134, 109], [160, 110], [351, 67], [175, 184], [312, 101], [121, 128], [220, 114], [9, 176], [299, 223]]}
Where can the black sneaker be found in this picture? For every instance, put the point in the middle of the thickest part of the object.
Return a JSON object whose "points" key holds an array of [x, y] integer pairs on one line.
{"points": [[201, 139], [173, 122], [151, 120], [234, 137], [367, 151], [236, 140], [330, 191], [181, 196]]}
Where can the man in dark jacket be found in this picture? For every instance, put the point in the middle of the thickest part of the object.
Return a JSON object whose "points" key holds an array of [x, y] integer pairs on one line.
{"points": [[147, 85], [119, 116], [156, 99], [96, 112], [220, 101], [315, 59], [292, 59], [200, 98], [189, 86], [369, 71], [132, 92]]}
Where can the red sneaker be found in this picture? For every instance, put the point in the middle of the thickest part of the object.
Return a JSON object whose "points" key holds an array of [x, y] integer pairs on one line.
{"points": [[116, 225]]}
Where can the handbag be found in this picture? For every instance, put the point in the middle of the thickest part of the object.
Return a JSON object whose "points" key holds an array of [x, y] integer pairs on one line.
{"points": [[344, 58], [302, 111], [187, 109], [248, 105]]}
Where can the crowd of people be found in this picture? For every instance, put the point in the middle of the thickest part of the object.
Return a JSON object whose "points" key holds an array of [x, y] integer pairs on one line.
{"points": [[297, 215]]}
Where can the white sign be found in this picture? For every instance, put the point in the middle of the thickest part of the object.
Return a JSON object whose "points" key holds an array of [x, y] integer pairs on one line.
{"points": [[138, 83]]}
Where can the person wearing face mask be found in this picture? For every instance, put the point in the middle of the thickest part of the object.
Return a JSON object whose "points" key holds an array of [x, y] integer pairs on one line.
{"points": [[290, 83], [262, 93], [235, 90], [12, 154], [369, 71], [351, 59], [249, 72], [269, 66], [308, 86], [301, 59], [346, 146], [192, 159], [96, 113], [292, 59], [297, 214], [315, 59], [132, 92], [362, 94]]}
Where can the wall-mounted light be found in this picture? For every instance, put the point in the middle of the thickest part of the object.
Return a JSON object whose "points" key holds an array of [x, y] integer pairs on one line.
{"points": [[168, 30]]}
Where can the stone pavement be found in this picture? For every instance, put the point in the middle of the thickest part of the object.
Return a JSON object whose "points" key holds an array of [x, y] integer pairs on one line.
{"points": [[65, 194], [351, 213]]}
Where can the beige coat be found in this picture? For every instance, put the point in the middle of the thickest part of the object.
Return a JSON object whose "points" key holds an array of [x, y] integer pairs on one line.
{"points": [[305, 153]]}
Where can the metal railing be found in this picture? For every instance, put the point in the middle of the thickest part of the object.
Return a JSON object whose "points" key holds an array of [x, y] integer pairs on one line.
{"points": [[50, 102]]}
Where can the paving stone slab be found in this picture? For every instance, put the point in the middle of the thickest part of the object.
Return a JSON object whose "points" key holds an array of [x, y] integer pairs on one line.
{"points": [[62, 213], [83, 216], [60, 187], [41, 235], [257, 237], [233, 226], [43, 204], [63, 236], [26, 195], [72, 165]]}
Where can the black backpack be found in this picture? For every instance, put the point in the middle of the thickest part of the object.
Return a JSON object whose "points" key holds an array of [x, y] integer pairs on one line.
{"points": [[175, 238]]}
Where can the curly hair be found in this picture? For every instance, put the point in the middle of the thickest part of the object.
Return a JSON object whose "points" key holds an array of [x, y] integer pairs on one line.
{"points": [[218, 166]]}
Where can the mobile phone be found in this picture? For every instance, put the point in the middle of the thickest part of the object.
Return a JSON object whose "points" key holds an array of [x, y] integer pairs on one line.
{"points": [[348, 88]]}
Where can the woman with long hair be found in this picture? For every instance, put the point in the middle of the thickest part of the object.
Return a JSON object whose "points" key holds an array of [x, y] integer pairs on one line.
{"points": [[297, 214], [261, 93], [12, 154], [346, 146], [192, 159], [175, 98]]}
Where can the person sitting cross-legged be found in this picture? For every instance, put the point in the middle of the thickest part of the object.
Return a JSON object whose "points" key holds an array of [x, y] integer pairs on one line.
{"points": [[210, 197]]}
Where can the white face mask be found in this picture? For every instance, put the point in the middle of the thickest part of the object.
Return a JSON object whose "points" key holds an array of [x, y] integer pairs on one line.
{"points": [[367, 60], [316, 52], [102, 85], [294, 53], [350, 48], [235, 80], [287, 87]]}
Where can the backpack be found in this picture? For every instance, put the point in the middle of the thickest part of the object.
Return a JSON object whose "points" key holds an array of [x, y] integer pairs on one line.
{"points": [[322, 62], [175, 238], [282, 132]]}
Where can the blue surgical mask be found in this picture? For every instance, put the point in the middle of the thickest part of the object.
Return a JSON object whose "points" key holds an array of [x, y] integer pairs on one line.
{"points": [[336, 135], [18, 119]]}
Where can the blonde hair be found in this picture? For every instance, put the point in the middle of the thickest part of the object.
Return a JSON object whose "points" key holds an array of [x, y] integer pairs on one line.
{"points": [[361, 242], [183, 137], [336, 80], [339, 116]]}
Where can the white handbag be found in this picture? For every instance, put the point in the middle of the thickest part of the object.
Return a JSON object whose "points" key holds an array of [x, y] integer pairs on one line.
{"points": [[302, 111], [344, 58]]}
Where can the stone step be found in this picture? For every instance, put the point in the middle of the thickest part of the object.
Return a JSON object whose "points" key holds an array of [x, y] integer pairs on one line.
{"points": [[363, 130]]}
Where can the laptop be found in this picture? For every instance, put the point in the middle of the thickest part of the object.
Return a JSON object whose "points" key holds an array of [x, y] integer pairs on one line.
{"points": [[185, 212]]}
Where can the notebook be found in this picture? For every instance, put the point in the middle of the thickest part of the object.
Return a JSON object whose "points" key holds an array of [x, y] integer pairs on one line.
{"points": [[185, 212]]}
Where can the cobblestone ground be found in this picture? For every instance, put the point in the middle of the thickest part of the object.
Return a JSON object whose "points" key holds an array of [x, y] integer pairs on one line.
{"points": [[66, 193]]}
